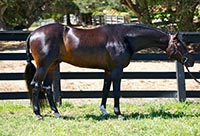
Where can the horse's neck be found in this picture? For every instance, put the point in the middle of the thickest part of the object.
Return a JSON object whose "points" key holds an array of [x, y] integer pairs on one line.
{"points": [[142, 39]]}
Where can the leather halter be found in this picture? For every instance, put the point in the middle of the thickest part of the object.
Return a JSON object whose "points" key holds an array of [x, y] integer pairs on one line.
{"points": [[184, 59]]}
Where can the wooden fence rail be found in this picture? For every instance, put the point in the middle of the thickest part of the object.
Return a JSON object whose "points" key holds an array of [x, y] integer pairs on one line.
{"points": [[180, 75]]}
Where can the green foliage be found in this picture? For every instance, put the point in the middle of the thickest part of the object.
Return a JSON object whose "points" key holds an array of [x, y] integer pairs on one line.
{"points": [[197, 13], [91, 6], [59, 8], [21, 14], [169, 118], [170, 15]]}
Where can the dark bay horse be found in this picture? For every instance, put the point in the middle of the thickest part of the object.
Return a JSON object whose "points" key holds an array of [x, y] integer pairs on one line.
{"points": [[109, 47]]}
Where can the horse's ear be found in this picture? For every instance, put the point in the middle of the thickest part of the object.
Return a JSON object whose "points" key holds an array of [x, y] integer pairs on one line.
{"points": [[175, 36]]}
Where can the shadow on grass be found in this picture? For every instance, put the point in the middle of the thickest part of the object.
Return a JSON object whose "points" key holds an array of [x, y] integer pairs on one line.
{"points": [[156, 114], [63, 117], [150, 115], [99, 117], [179, 110]]}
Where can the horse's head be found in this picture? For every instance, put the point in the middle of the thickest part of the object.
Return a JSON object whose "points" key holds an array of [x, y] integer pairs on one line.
{"points": [[177, 50]]}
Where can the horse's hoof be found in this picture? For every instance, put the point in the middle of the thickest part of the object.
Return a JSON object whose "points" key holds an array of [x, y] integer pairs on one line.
{"points": [[120, 117], [39, 117], [58, 115]]}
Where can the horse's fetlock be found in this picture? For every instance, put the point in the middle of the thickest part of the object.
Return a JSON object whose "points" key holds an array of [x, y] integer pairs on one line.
{"points": [[117, 111], [47, 89], [103, 110]]}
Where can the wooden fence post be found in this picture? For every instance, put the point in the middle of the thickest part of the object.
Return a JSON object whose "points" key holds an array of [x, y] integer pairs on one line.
{"points": [[57, 86], [180, 76]]}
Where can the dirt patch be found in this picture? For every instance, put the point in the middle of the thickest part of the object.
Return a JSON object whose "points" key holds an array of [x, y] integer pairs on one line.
{"points": [[11, 45]]}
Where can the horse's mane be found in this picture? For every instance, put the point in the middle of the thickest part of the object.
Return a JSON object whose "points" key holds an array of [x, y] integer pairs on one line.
{"points": [[133, 27]]}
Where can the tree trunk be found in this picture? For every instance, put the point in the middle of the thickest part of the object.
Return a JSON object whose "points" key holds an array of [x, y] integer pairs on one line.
{"points": [[2, 10], [68, 20], [185, 14], [140, 8]]}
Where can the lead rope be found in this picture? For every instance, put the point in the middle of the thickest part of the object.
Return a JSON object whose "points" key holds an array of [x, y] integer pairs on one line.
{"points": [[192, 75]]}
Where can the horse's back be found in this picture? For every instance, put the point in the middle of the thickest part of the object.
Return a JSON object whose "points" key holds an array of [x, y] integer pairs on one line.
{"points": [[50, 30]]}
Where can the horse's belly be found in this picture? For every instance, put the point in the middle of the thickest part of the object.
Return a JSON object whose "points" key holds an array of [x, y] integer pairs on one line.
{"points": [[96, 59], [88, 64], [87, 61]]}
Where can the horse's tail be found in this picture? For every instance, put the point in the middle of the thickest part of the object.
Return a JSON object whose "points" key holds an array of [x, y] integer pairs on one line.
{"points": [[29, 74]]}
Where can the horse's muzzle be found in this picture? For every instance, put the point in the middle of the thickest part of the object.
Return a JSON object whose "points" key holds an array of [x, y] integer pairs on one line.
{"points": [[188, 61]]}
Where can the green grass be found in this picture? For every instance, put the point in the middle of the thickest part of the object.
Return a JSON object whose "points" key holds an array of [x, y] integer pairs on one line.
{"points": [[147, 119]]}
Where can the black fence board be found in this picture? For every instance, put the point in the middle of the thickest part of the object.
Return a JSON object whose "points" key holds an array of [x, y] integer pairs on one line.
{"points": [[191, 37], [98, 94], [13, 95], [11, 76], [126, 75], [100, 75], [188, 37], [135, 57], [13, 56], [124, 94], [193, 94], [14, 35]]}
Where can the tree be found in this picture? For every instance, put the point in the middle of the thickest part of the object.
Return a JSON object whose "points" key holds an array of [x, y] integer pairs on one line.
{"points": [[3, 7], [179, 12], [91, 6], [59, 8], [140, 8], [20, 14]]}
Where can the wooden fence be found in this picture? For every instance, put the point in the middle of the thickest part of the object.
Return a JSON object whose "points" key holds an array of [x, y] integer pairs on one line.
{"points": [[106, 19], [180, 75]]}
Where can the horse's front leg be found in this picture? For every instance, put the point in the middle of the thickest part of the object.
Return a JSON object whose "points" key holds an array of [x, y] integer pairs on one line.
{"points": [[116, 77], [116, 94], [106, 89]]}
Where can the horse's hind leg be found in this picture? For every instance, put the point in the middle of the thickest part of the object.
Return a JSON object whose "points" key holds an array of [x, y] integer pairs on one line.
{"points": [[35, 99], [47, 87], [36, 90]]}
